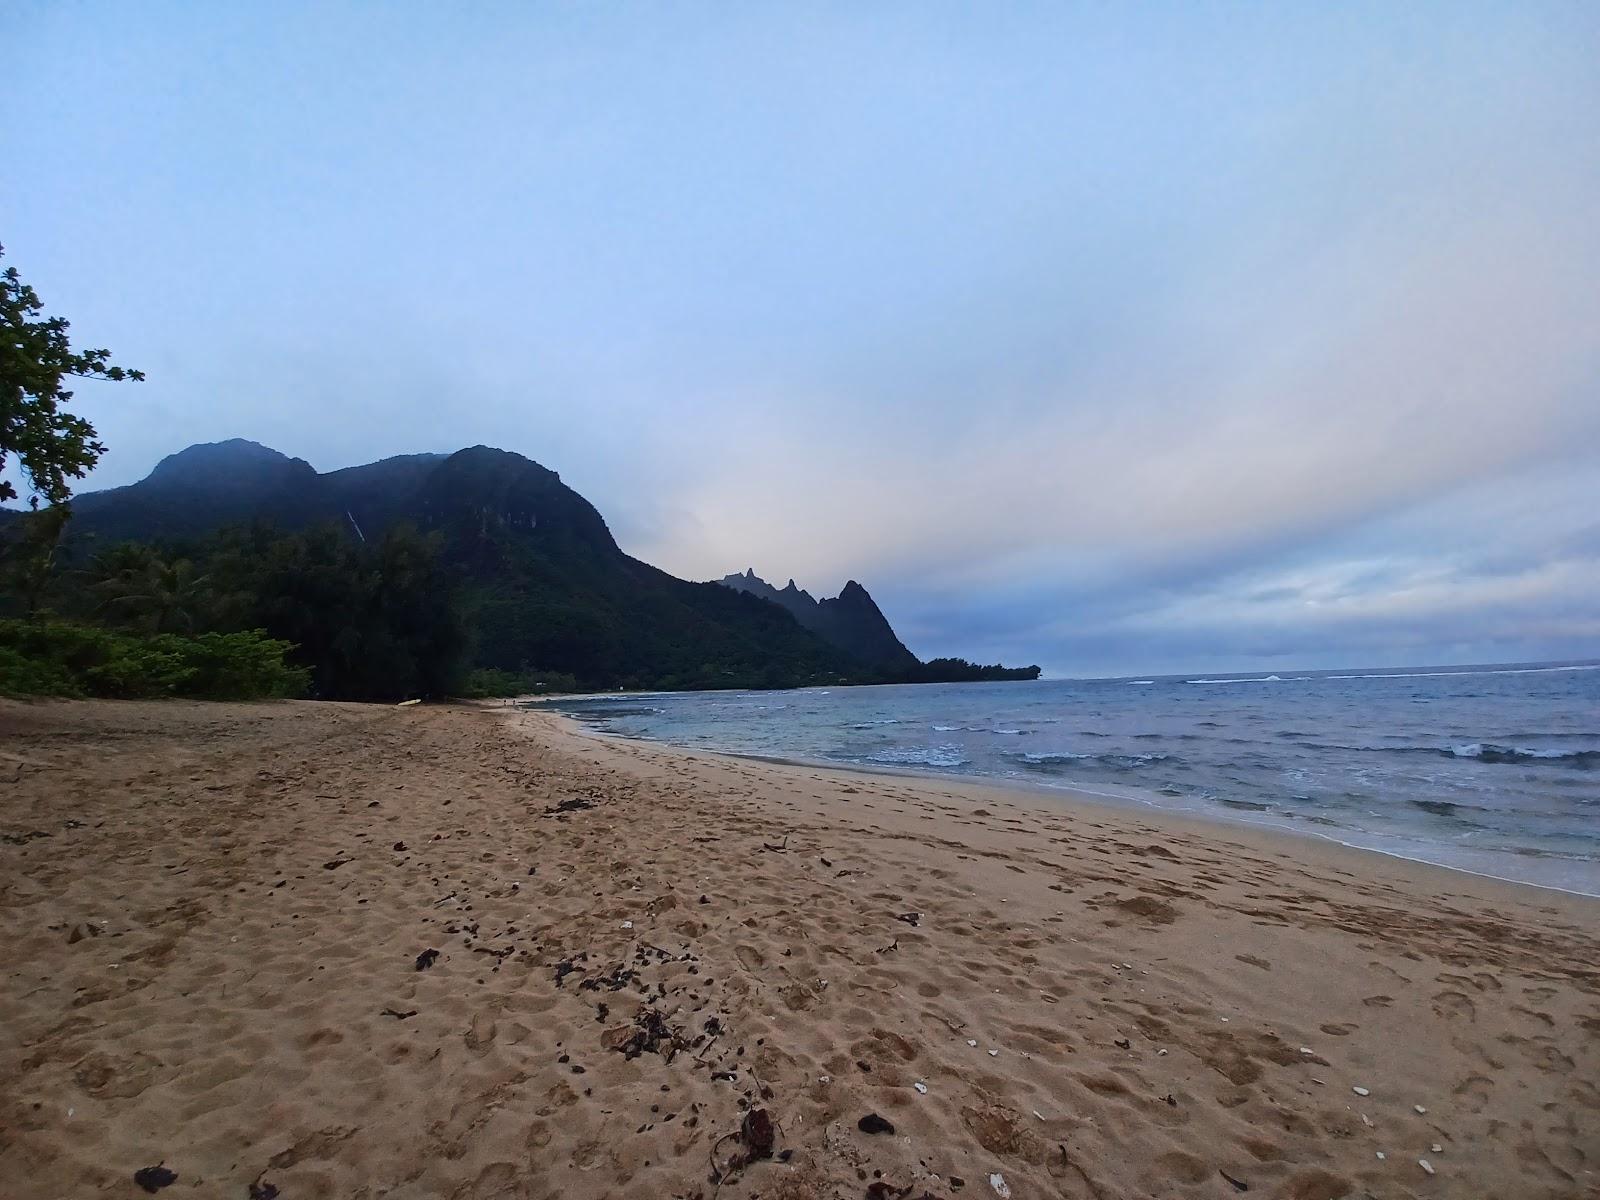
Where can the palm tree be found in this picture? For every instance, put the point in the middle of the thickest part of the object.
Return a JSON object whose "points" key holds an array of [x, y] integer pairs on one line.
{"points": [[138, 586]]}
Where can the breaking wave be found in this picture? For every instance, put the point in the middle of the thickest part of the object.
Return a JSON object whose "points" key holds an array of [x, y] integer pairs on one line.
{"points": [[1490, 753], [920, 756], [1128, 761]]}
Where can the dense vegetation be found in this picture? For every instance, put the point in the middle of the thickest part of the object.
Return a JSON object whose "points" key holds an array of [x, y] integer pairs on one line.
{"points": [[959, 670], [344, 620], [59, 658]]}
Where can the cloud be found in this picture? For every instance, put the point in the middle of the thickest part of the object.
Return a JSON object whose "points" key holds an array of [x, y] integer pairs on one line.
{"points": [[1087, 337]]}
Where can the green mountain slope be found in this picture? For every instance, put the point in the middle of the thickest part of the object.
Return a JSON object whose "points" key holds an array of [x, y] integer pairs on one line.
{"points": [[543, 585]]}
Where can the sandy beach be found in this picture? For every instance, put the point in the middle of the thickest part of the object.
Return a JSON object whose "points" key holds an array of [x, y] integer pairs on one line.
{"points": [[312, 950]]}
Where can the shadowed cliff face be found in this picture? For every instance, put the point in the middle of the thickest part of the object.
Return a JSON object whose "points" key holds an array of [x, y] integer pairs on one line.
{"points": [[851, 621]]}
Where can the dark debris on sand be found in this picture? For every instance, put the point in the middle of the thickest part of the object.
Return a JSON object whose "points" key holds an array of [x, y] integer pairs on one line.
{"points": [[756, 1137], [650, 1031], [153, 1179], [575, 804]]}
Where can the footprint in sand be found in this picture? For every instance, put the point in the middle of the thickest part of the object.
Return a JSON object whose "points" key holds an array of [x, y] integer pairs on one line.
{"points": [[1474, 1092], [1185, 1168], [106, 1076], [1455, 1005], [750, 958], [1317, 1185], [1262, 1150]]}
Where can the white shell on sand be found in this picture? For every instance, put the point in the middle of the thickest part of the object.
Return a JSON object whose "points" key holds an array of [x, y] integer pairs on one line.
{"points": [[1425, 1165], [998, 1182], [921, 1087], [1361, 1091], [1419, 1108]]}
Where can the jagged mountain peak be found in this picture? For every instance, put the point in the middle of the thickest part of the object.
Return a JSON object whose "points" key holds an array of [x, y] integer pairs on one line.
{"points": [[852, 620]]}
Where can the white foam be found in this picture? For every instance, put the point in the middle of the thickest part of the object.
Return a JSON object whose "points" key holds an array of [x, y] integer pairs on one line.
{"points": [[921, 756], [1445, 674]]}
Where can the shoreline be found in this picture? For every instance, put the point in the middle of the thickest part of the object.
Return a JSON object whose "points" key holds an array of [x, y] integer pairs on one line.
{"points": [[482, 954], [1069, 795]]}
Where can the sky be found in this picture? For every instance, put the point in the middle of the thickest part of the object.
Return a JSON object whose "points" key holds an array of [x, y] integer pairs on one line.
{"points": [[1115, 338]]}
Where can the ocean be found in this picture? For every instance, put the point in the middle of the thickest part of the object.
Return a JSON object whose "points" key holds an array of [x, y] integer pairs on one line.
{"points": [[1494, 769]]}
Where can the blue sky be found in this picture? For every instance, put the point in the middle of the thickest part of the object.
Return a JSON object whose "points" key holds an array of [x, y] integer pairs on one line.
{"points": [[1118, 338]]}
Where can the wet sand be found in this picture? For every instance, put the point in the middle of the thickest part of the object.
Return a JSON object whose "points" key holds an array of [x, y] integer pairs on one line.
{"points": [[213, 917]]}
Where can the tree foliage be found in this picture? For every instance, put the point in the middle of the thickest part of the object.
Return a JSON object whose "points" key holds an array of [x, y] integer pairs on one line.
{"points": [[135, 585], [28, 554], [50, 445], [371, 622]]}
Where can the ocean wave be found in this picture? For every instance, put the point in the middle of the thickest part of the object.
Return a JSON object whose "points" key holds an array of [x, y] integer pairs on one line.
{"points": [[1405, 674], [1047, 758], [1487, 752], [1490, 753], [875, 724], [920, 756], [1448, 808], [618, 711], [1477, 671]]}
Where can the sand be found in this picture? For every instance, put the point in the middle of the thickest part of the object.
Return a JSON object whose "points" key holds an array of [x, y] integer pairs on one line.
{"points": [[212, 916]]}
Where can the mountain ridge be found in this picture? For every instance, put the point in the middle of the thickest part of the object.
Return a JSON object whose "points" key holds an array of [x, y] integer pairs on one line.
{"points": [[545, 587]]}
